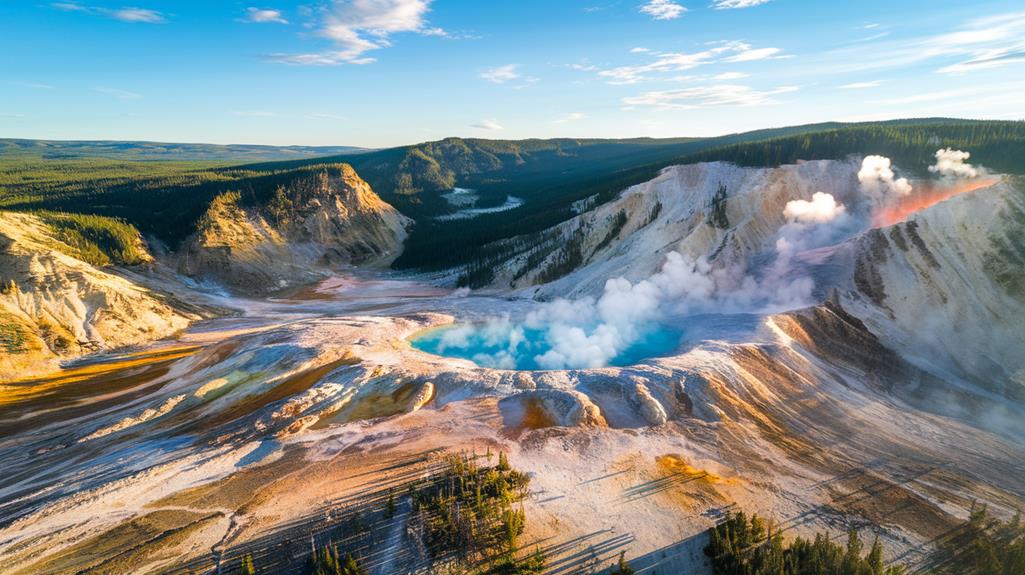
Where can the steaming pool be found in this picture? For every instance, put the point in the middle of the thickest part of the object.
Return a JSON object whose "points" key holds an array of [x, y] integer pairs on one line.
{"points": [[501, 345]]}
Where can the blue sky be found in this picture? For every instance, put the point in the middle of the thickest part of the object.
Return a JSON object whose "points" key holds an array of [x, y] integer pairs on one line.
{"points": [[387, 72]]}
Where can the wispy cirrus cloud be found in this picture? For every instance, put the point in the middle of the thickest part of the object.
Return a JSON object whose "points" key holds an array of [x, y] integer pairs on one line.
{"points": [[730, 76], [35, 85], [264, 16], [663, 9], [667, 62], [750, 55], [502, 74], [862, 85], [126, 14], [489, 124], [707, 96], [325, 116], [978, 44], [118, 93], [571, 117], [356, 27], [734, 4]]}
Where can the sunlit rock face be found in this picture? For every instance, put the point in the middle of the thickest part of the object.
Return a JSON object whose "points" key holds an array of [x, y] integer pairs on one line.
{"points": [[55, 306], [323, 221]]}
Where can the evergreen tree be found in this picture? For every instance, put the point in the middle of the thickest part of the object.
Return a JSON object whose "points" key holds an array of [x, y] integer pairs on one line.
{"points": [[875, 558], [389, 508], [717, 211], [623, 567], [247, 567]]}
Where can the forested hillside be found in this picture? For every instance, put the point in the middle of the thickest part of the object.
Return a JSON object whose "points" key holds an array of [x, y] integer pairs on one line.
{"points": [[996, 145], [165, 199]]}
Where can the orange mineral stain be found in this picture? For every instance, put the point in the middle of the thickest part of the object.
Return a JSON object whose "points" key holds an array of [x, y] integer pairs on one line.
{"points": [[927, 194]]}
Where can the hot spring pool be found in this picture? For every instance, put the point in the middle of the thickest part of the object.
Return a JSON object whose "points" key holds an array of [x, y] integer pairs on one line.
{"points": [[506, 345], [526, 348]]}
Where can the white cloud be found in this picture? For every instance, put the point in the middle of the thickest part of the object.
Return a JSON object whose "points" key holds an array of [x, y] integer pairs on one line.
{"points": [[571, 117], [501, 74], [676, 62], [861, 85], [137, 15], [264, 16], [731, 4], [36, 85], [663, 9], [639, 50], [754, 55], [978, 44], [994, 58], [119, 94], [126, 14], [359, 26], [69, 7], [324, 116], [707, 96], [492, 125], [730, 76]]}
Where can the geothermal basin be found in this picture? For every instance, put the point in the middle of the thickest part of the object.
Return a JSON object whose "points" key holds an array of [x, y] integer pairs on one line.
{"points": [[502, 344]]}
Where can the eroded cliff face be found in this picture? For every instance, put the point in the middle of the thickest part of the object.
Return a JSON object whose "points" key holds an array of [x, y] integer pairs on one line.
{"points": [[946, 286], [631, 235], [943, 287], [326, 220], [54, 306]]}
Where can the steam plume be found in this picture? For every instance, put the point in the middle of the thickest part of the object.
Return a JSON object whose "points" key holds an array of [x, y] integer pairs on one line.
{"points": [[878, 180], [951, 164]]}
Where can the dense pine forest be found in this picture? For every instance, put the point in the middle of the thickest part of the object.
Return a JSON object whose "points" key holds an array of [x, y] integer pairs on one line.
{"points": [[999, 146], [982, 545], [751, 546]]}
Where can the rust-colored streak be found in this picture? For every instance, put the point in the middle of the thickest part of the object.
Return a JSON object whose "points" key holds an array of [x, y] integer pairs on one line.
{"points": [[295, 384], [927, 194], [78, 391]]}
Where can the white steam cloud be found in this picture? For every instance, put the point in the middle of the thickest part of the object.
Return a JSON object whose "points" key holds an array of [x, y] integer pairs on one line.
{"points": [[878, 180], [589, 332], [951, 164], [823, 208], [592, 332]]}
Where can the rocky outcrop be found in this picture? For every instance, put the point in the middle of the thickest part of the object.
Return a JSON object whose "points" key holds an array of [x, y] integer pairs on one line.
{"points": [[54, 306], [631, 235], [945, 287], [321, 221]]}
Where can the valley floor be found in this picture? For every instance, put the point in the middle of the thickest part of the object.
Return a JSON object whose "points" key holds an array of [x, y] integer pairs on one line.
{"points": [[265, 433]]}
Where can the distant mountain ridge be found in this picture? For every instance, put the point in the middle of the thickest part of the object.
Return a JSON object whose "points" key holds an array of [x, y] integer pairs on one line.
{"points": [[145, 150]]}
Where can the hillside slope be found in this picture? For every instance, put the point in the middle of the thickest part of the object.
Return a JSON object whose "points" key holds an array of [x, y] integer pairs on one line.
{"points": [[55, 306], [325, 219], [943, 287]]}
